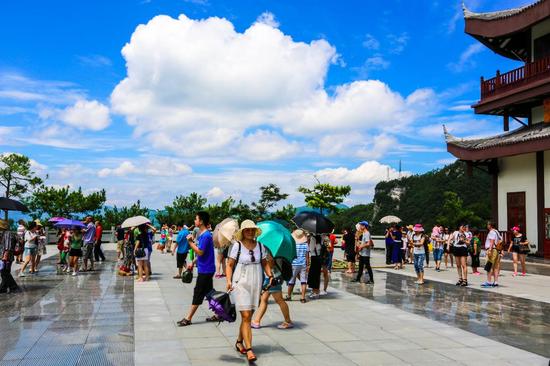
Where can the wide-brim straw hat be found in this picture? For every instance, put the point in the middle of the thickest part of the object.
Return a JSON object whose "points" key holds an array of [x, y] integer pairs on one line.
{"points": [[38, 223], [247, 224], [299, 235], [410, 227], [4, 225]]}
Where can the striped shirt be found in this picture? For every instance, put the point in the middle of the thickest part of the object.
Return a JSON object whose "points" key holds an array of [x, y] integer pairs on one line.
{"points": [[301, 252]]}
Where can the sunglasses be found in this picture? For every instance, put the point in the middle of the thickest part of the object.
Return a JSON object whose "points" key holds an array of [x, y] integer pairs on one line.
{"points": [[251, 253]]}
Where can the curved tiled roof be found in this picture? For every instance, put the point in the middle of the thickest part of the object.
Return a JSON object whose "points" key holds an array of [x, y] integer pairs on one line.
{"points": [[528, 133], [468, 14]]}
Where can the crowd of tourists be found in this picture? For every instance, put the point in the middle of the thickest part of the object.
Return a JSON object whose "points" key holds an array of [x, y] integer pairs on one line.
{"points": [[413, 245]]}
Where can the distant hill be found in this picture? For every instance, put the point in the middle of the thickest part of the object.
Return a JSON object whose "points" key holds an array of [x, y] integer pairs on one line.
{"points": [[419, 198]]}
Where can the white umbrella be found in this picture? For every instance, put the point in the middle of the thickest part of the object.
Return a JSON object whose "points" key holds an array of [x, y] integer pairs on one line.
{"points": [[390, 219], [224, 232], [135, 221]]}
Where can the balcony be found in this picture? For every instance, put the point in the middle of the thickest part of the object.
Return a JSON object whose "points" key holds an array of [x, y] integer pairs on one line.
{"points": [[514, 88]]}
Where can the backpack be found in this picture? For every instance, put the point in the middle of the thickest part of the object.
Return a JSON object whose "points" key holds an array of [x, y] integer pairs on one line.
{"points": [[499, 242]]}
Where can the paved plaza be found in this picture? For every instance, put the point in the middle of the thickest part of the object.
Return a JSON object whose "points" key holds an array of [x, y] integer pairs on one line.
{"points": [[102, 319]]}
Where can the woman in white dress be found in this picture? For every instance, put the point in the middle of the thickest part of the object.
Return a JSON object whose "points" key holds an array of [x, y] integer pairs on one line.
{"points": [[244, 270]]}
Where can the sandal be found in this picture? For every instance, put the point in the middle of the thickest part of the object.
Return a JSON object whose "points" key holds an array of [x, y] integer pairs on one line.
{"points": [[303, 301], [285, 325], [250, 358], [213, 318], [184, 322], [241, 349], [288, 298], [255, 325]]}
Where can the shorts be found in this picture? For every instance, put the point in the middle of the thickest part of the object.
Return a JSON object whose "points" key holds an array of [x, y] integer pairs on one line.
{"points": [[350, 257], [30, 251], [88, 251], [119, 245], [146, 257], [328, 261], [300, 273], [181, 259], [515, 248], [73, 252], [460, 251], [203, 286]]}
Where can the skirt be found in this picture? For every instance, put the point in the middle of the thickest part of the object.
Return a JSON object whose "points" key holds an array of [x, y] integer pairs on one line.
{"points": [[314, 275], [247, 286]]}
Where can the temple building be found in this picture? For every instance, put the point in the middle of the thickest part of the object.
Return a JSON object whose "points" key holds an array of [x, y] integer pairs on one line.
{"points": [[518, 160]]}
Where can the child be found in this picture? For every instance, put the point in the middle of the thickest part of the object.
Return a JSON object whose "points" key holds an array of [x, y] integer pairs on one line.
{"points": [[475, 249]]}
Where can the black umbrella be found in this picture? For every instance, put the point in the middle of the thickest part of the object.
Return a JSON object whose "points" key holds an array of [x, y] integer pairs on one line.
{"points": [[8, 204], [313, 222]]}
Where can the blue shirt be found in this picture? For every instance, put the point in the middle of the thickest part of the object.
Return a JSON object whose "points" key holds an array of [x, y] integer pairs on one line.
{"points": [[89, 235], [150, 237], [206, 261], [301, 252], [181, 239]]}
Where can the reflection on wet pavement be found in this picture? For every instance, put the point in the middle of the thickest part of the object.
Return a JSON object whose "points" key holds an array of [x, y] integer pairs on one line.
{"points": [[514, 321], [65, 320]]}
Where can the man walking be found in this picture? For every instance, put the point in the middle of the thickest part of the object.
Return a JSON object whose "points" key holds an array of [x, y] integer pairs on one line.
{"points": [[363, 250], [88, 247], [98, 253], [203, 246], [493, 256]]}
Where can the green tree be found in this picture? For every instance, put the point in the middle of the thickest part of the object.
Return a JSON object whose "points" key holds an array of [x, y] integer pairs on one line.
{"points": [[325, 196], [17, 177], [182, 210], [349, 217], [454, 213], [270, 195], [285, 213], [114, 216], [53, 201]]}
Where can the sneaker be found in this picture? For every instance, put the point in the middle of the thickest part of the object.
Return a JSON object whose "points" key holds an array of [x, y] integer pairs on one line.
{"points": [[323, 293], [464, 283], [74, 273], [459, 283], [523, 274], [486, 284], [495, 284], [476, 273], [369, 282], [313, 296], [514, 274], [22, 274]]}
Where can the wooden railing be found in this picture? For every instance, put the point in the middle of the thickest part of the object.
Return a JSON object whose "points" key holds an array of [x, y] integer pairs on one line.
{"points": [[512, 79]]}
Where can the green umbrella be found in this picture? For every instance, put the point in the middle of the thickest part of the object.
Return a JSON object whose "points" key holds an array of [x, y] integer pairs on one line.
{"points": [[278, 240]]}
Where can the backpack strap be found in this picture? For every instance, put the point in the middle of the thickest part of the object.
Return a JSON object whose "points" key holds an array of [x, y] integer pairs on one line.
{"points": [[261, 252], [238, 254]]}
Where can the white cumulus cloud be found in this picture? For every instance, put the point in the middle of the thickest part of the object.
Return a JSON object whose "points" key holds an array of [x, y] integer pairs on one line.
{"points": [[370, 172], [220, 88], [86, 115]]}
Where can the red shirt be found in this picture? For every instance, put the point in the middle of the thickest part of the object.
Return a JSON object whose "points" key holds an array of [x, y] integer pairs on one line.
{"points": [[98, 232], [332, 239]]}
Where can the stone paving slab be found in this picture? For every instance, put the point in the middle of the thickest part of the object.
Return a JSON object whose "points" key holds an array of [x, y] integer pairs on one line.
{"points": [[339, 329]]}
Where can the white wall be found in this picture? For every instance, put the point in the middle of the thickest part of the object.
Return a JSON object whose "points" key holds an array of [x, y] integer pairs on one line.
{"points": [[518, 174]]}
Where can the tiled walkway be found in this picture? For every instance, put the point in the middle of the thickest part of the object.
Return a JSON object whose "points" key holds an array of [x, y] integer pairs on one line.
{"points": [[340, 329], [65, 320]]}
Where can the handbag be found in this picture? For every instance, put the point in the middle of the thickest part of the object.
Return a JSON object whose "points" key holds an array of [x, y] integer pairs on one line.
{"points": [[220, 303], [187, 276], [140, 253]]}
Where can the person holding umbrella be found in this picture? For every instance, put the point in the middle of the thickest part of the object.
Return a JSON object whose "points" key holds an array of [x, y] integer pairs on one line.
{"points": [[75, 252]]}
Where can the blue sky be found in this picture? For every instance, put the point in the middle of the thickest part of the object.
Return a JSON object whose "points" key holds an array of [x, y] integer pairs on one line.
{"points": [[222, 97]]}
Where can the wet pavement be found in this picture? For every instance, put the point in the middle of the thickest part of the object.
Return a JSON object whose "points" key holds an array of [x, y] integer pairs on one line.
{"points": [[60, 319], [511, 320]]}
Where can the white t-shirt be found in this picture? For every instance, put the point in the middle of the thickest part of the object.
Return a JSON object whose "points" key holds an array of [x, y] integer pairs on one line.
{"points": [[30, 239], [493, 235], [245, 256], [314, 247], [365, 252], [459, 239], [417, 238]]}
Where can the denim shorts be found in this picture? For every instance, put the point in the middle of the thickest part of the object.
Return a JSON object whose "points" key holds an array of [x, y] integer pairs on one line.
{"points": [[419, 262], [30, 251], [438, 254]]}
